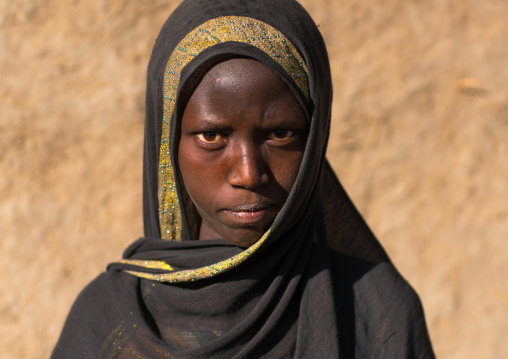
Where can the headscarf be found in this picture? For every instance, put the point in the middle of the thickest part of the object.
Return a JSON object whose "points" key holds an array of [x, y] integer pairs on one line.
{"points": [[317, 284]]}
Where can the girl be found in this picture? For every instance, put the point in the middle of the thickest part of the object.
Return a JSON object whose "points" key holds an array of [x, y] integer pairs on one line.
{"points": [[252, 248]]}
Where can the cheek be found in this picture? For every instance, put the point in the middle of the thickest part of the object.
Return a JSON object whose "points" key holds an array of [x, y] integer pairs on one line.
{"points": [[191, 171], [285, 168], [200, 178]]}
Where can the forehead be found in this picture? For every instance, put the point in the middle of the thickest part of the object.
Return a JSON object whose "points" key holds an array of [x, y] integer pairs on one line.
{"points": [[241, 83]]}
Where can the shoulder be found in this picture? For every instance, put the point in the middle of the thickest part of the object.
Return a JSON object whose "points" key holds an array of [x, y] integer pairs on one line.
{"points": [[104, 292], [97, 311], [389, 316], [382, 285]]}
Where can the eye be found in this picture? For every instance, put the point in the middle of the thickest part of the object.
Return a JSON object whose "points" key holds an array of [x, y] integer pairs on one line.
{"points": [[281, 135], [210, 137]]}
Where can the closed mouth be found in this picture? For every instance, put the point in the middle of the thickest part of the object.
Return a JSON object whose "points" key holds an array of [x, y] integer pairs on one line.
{"points": [[252, 213], [249, 207]]}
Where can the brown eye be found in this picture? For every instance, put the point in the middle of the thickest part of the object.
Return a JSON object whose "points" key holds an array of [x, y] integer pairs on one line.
{"points": [[210, 137], [281, 134]]}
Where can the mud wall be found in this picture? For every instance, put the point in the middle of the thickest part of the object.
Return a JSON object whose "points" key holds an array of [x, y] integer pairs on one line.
{"points": [[419, 140]]}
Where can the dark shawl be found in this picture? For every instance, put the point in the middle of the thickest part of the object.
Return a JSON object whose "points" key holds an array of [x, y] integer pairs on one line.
{"points": [[319, 286]]}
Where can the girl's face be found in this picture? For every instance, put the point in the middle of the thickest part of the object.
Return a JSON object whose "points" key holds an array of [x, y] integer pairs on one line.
{"points": [[243, 135]]}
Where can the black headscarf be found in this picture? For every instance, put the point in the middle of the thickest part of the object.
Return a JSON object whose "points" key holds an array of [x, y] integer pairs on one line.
{"points": [[316, 285]]}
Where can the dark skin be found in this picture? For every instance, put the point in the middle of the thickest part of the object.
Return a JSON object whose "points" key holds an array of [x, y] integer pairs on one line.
{"points": [[243, 135]]}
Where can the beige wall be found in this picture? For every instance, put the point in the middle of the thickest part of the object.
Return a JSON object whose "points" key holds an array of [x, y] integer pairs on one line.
{"points": [[419, 140]]}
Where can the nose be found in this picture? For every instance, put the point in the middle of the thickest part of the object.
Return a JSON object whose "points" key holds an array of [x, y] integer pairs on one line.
{"points": [[248, 167]]}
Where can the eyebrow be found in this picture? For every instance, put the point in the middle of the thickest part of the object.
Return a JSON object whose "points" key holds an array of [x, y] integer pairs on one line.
{"points": [[212, 122]]}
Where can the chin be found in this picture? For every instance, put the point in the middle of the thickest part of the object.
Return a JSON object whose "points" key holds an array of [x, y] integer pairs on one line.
{"points": [[244, 238]]}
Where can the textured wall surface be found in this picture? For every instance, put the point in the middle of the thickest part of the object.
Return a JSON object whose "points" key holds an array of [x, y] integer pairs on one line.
{"points": [[419, 139]]}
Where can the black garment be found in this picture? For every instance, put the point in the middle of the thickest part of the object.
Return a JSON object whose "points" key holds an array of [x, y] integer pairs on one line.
{"points": [[316, 285]]}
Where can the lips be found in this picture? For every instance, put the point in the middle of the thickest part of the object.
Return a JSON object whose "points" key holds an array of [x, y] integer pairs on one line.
{"points": [[252, 213]]}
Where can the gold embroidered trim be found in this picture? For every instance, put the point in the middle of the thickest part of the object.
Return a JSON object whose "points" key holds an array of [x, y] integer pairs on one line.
{"points": [[191, 275], [219, 30], [148, 264]]}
